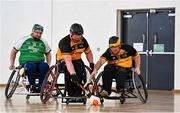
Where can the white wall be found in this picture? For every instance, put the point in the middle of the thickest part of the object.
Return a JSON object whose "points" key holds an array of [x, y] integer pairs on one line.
{"points": [[99, 21], [98, 18], [0, 44], [18, 18]]}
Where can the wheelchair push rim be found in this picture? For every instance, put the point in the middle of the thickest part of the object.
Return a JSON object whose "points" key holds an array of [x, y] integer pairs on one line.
{"points": [[95, 89], [12, 83], [140, 87], [49, 84]]}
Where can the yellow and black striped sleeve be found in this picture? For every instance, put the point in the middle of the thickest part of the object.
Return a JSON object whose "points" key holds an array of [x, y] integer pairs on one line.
{"points": [[64, 46], [105, 56], [131, 50], [86, 45]]}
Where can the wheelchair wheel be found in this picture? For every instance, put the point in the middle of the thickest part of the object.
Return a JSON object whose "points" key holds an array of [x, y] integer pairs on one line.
{"points": [[49, 84], [99, 77], [140, 87], [92, 86], [98, 80], [12, 84]]}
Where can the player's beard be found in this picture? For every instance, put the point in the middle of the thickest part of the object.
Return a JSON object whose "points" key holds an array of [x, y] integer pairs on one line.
{"points": [[36, 39]]}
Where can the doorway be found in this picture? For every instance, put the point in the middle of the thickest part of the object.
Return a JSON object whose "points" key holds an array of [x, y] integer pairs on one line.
{"points": [[152, 33]]}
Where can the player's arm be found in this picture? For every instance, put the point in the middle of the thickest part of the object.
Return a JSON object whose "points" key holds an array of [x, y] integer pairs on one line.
{"points": [[64, 46], [137, 59], [100, 62], [89, 56], [138, 63], [48, 58], [69, 65], [12, 58]]}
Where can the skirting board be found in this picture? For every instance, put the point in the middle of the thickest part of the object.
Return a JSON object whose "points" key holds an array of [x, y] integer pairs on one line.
{"points": [[2, 85], [176, 91]]}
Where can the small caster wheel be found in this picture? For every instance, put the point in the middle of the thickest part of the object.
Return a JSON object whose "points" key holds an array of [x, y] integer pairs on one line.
{"points": [[67, 101], [122, 100], [101, 100], [84, 101], [27, 97]]}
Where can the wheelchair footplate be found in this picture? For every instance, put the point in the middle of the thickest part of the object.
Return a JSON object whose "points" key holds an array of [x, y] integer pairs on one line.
{"points": [[68, 99], [31, 94]]}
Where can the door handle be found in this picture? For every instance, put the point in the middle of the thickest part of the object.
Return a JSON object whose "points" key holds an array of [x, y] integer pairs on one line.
{"points": [[155, 38], [143, 38]]}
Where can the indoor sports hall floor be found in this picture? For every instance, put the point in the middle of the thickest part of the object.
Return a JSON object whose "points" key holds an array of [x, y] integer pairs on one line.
{"points": [[159, 101]]}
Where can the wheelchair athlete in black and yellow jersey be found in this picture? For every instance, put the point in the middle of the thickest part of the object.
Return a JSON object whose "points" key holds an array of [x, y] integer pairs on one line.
{"points": [[69, 55], [119, 59]]}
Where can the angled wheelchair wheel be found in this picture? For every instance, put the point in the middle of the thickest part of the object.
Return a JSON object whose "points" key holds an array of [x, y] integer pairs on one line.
{"points": [[140, 87], [99, 76], [98, 80], [92, 86], [88, 72], [49, 84], [12, 83]]}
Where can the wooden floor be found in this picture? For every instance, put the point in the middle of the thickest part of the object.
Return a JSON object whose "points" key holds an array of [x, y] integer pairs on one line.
{"points": [[159, 101]]}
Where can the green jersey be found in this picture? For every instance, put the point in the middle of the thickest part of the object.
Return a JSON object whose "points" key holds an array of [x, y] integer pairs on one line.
{"points": [[31, 50]]}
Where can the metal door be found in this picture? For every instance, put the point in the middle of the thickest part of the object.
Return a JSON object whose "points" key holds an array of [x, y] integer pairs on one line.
{"points": [[135, 31], [152, 30], [161, 49]]}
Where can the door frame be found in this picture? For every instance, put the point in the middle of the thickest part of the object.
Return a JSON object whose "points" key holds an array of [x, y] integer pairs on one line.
{"points": [[119, 29], [119, 17]]}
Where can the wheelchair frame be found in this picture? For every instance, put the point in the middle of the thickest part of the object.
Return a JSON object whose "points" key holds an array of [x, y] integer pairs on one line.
{"points": [[14, 83], [128, 92], [50, 88]]}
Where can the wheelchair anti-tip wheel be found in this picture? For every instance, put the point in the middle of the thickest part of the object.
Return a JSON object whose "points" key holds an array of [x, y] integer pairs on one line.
{"points": [[13, 82]]}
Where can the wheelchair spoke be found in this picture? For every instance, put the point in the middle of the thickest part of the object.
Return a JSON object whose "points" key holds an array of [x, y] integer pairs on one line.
{"points": [[49, 84], [140, 88]]}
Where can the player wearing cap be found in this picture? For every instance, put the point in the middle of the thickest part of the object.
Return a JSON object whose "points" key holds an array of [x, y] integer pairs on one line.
{"points": [[69, 55], [33, 50], [119, 59]]}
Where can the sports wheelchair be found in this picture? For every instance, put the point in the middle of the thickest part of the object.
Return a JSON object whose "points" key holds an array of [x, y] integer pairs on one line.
{"points": [[17, 84], [134, 87], [52, 89]]}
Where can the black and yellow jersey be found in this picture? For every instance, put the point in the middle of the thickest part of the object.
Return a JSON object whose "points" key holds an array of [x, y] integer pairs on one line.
{"points": [[123, 58], [68, 47]]}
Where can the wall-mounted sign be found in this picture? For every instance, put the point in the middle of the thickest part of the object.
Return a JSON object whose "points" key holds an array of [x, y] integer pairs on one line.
{"points": [[138, 46], [158, 48]]}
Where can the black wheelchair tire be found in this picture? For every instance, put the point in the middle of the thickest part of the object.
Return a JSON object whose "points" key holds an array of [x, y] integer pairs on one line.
{"points": [[8, 93], [143, 97], [99, 76]]}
